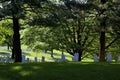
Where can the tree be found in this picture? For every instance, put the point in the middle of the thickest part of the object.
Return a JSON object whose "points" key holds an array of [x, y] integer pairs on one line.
{"points": [[105, 10], [13, 9], [6, 34], [71, 18]]}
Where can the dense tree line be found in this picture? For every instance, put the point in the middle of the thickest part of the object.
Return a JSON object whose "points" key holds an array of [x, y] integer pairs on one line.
{"points": [[74, 26]]}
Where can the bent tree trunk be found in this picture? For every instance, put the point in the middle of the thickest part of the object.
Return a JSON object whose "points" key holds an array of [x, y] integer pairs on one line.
{"points": [[16, 41]]}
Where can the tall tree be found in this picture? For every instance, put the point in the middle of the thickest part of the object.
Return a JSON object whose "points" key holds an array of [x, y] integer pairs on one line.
{"points": [[102, 31], [71, 17], [13, 9]]}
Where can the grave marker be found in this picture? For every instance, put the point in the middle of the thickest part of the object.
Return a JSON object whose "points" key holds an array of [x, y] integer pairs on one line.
{"points": [[63, 58], [95, 58], [23, 58], [76, 57], [109, 57]]}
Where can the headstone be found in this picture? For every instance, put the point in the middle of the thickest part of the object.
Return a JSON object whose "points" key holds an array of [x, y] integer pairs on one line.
{"points": [[95, 58], [8, 59], [36, 60], [23, 58], [118, 58], [109, 57], [76, 57], [63, 58], [2, 59], [43, 59]]}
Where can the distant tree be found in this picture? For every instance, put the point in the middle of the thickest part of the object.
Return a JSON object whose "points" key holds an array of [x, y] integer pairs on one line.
{"points": [[6, 34]]}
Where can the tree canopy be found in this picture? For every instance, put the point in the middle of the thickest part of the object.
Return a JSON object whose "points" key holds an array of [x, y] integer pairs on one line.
{"points": [[74, 26]]}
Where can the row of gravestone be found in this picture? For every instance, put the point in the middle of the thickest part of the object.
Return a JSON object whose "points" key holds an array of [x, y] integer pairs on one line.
{"points": [[74, 59], [25, 59], [108, 58], [96, 59], [7, 58], [36, 59]]}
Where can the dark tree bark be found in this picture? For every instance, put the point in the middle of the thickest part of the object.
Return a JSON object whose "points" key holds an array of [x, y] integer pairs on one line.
{"points": [[16, 51], [102, 34], [79, 38], [80, 56], [52, 53], [102, 46], [16, 41]]}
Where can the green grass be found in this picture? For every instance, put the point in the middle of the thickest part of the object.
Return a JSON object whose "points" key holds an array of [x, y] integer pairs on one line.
{"points": [[60, 71]]}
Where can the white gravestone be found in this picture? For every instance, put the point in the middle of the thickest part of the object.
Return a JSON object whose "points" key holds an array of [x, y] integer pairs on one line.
{"points": [[95, 58], [43, 59], [63, 58], [8, 59], [2, 60], [36, 59], [76, 57], [109, 57], [23, 58], [118, 58]]}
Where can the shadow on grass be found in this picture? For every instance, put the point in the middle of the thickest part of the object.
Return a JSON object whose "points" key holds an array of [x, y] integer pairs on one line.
{"points": [[60, 71]]}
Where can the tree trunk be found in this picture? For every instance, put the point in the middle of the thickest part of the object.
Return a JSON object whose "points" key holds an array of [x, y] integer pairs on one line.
{"points": [[102, 34], [102, 46], [80, 56], [16, 40], [13, 55], [52, 53]]}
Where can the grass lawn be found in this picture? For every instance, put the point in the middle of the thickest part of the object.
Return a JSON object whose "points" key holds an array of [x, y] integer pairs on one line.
{"points": [[60, 71]]}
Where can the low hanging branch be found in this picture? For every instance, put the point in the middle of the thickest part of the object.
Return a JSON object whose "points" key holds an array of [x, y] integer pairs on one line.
{"points": [[111, 42]]}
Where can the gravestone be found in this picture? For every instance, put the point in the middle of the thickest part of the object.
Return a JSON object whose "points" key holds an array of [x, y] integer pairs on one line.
{"points": [[36, 59], [109, 57], [8, 59], [2, 60], [95, 58], [43, 59], [118, 58], [63, 58], [76, 57], [23, 58]]}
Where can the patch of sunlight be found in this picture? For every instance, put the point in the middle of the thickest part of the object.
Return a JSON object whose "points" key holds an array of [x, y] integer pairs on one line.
{"points": [[36, 67], [17, 68], [25, 73]]}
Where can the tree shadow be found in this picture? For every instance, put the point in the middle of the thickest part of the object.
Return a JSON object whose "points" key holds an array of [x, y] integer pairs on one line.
{"points": [[59, 71]]}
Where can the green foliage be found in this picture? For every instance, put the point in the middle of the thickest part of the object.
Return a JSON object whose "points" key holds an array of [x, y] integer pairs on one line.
{"points": [[6, 33], [73, 26]]}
